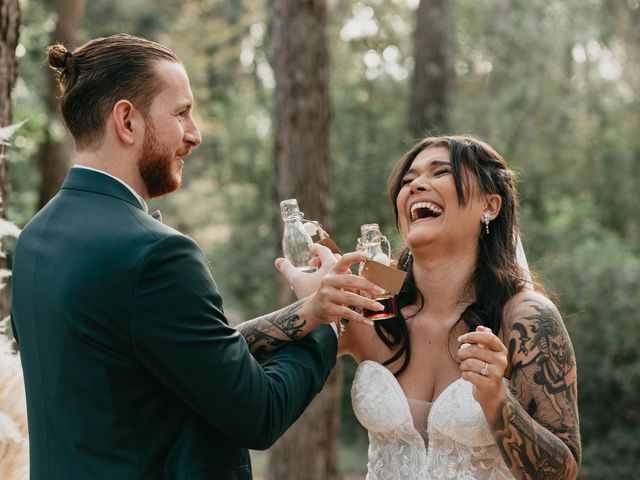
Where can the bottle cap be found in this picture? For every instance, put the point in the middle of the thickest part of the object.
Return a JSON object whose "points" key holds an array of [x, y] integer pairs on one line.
{"points": [[289, 208]]}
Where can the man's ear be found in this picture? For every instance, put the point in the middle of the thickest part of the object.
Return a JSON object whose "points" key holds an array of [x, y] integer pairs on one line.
{"points": [[493, 204], [127, 121]]}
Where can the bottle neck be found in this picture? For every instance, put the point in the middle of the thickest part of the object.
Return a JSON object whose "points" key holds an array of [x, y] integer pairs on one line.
{"points": [[372, 247], [292, 217], [371, 237]]}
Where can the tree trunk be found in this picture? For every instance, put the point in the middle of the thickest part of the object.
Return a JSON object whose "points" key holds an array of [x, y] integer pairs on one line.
{"points": [[9, 32], [428, 98], [303, 171], [54, 154]]}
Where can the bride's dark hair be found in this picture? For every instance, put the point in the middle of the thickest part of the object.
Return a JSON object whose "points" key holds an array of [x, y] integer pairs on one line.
{"points": [[497, 277]]}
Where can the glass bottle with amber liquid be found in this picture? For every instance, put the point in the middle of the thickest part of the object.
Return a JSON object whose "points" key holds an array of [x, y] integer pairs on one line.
{"points": [[371, 243], [295, 238]]}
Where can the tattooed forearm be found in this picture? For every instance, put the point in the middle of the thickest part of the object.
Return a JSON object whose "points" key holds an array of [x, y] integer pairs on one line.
{"points": [[267, 334], [536, 426], [529, 450]]}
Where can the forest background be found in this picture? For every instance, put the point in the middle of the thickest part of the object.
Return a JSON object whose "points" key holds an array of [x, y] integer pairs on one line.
{"points": [[553, 85]]}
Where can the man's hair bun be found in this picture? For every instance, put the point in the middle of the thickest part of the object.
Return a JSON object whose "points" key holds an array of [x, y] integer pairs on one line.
{"points": [[59, 56]]}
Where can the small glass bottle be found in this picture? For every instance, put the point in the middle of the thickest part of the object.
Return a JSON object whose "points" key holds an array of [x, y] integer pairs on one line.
{"points": [[370, 243], [295, 238]]}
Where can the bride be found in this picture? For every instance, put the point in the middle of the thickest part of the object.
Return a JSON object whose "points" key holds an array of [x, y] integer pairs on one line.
{"points": [[476, 377]]}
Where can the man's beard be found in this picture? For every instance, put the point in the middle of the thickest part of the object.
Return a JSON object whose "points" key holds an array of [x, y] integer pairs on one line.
{"points": [[155, 165]]}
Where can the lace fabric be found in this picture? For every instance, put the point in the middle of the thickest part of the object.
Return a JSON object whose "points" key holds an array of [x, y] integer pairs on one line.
{"points": [[460, 444]]}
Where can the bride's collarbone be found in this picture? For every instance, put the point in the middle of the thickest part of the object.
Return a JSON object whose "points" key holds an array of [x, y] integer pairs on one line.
{"points": [[426, 378], [433, 366]]}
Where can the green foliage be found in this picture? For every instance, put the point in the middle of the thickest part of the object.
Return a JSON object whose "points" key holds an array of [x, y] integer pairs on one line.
{"points": [[7, 228], [594, 275], [28, 103]]}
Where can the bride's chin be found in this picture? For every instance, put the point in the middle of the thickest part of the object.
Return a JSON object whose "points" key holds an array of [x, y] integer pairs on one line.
{"points": [[420, 250], [416, 239]]}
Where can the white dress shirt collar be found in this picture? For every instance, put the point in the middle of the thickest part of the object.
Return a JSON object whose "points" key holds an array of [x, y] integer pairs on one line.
{"points": [[135, 194]]}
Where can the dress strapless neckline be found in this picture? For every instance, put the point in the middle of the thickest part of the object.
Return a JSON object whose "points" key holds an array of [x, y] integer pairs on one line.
{"points": [[460, 443], [386, 372]]}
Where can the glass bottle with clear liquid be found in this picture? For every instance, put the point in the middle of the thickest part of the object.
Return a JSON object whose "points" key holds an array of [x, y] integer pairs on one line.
{"points": [[295, 238], [371, 243]]}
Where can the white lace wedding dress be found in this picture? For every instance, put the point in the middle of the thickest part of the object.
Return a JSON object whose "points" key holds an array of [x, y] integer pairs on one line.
{"points": [[460, 445]]}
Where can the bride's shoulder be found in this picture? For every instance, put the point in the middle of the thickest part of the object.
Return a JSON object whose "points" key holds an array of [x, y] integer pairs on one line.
{"points": [[532, 320], [363, 343], [525, 303]]}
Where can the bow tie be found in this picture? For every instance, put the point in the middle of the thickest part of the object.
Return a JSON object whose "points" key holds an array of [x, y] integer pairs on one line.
{"points": [[157, 215]]}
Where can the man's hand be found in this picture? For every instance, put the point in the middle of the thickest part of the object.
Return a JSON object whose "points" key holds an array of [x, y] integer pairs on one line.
{"points": [[330, 291], [335, 297], [304, 284]]}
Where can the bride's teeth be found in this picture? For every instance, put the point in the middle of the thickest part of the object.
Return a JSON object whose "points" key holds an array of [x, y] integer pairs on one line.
{"points": [[421, 205]]}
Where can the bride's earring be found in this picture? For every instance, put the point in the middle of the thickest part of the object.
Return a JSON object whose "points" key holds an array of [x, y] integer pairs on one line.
{"points": [[486, 220]]}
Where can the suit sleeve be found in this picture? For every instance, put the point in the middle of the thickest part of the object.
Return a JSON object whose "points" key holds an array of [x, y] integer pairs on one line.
{"points": [[180, 333]]}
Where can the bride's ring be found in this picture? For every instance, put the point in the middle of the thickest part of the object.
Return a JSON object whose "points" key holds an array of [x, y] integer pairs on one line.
{"points": [[485, 370]]}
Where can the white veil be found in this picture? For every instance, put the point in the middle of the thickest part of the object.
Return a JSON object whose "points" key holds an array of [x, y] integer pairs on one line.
{"points": [[521, 259]]}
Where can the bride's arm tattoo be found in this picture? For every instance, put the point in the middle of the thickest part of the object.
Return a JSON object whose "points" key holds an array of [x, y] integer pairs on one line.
{"points": [[267, 334], [536, 427]]}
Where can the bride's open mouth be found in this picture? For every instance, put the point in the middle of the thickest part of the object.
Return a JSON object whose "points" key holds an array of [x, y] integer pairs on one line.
{"points": [[420, 210]]}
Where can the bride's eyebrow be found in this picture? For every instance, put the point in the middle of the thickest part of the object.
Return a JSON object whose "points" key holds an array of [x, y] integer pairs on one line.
{"points": [[435, 163], [440, 163]]}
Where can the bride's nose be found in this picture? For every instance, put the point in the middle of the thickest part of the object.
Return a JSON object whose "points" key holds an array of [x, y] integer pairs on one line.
{"points": [[419, 184]]}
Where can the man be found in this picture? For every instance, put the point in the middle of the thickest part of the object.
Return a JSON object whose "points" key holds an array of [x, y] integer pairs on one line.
{"points": [[131, 370]]}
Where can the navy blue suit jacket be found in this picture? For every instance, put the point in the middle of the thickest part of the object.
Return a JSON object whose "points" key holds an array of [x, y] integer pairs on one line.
{"points": [[131, 369]]}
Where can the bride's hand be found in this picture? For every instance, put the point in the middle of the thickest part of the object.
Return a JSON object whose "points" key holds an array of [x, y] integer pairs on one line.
{"points": [[483, 361], [336, 294], [304, 284]]}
